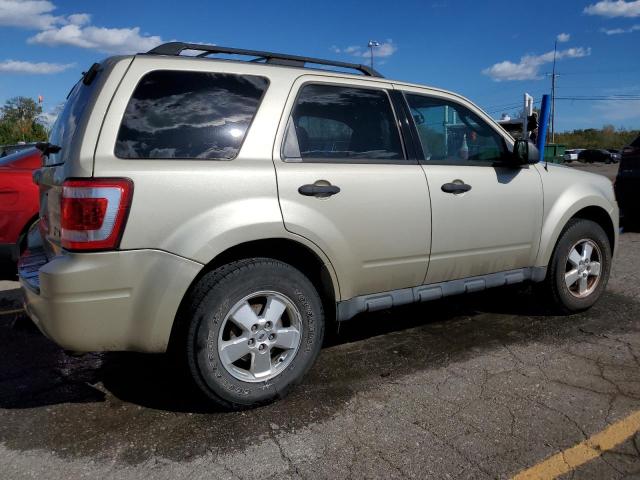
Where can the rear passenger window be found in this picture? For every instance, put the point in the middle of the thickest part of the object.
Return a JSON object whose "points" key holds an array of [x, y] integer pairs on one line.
{"points": [[189, 115], [342, 123]]}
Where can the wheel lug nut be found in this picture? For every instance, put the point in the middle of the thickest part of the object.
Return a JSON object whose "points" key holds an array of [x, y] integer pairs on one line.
{"points": [[254, 328], [261, 347], [251, 341], [268, 324], [272, 336]]}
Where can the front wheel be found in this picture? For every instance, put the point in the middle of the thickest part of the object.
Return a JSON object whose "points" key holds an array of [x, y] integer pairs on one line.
{"points": [[580, 266], [256, 327]]}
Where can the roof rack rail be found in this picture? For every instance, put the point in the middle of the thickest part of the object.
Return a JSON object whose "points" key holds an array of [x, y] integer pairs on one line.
{"points": [[176, 48]]}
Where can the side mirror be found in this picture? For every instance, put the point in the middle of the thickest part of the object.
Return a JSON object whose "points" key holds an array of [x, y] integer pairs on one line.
{"points": [[525, 152]]}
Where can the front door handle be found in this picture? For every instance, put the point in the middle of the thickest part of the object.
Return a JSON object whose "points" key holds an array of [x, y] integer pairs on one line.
{"points": [[322, 191], [455, 187]]}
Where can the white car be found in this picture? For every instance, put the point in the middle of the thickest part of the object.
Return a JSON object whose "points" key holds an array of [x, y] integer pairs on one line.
{"points": [[571, 155]]}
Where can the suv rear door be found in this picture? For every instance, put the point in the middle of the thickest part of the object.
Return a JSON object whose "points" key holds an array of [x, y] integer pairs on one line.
{"points": [[494, 226], [346, 184]]}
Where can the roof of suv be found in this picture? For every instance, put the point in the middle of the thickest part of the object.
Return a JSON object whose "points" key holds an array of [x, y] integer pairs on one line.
{"points": [[265, 59], [172, 51], [176, 48]]}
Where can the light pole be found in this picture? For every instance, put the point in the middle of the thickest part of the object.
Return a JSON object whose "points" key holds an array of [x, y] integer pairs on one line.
{"points": [[372, 44]]}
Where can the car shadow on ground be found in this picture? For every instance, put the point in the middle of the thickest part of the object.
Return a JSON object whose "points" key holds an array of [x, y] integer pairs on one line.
{"points": [[98, 400], [36, 372]]}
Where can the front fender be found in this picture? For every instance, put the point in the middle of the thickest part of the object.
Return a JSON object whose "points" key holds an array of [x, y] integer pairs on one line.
{"points": [[563, 202]]}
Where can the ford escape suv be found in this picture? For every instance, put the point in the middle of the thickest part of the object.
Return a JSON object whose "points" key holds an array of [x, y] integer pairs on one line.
{"points": [[227, 210]]}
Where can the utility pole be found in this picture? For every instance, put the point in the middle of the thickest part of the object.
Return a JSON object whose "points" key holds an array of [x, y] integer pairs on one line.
{"points": [[553, 94], [372, 44]]}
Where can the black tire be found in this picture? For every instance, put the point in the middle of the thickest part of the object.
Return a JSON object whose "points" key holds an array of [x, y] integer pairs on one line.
{"points": [[554, 286], [210, 303]]}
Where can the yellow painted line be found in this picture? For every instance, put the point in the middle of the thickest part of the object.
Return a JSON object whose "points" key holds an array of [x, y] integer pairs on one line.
{"points": [[583, 452], [9, 312]]}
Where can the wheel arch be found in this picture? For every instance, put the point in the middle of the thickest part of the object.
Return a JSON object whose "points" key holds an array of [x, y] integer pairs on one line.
{"points": [[595, 211], [308, 260]]}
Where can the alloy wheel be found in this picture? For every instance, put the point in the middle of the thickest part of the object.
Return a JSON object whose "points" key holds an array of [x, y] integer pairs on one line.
{"points": [[260, 336], [583, 268]]}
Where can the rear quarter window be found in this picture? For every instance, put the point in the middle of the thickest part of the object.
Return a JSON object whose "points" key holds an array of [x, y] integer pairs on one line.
{"points": [[189, 115], [67, 124]]}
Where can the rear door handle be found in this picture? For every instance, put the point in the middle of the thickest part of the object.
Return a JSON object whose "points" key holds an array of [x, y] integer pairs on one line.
{"points": [[455, 187], [321, 191]]}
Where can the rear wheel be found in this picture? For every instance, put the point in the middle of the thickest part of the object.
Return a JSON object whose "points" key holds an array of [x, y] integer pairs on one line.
{"points": [[256, 327], [580, 266]]}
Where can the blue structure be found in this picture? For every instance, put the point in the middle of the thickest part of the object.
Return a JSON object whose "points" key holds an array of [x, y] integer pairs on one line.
{"points": [[543, 123]]}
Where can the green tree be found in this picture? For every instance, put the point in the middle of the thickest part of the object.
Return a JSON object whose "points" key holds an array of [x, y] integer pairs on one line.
{"points": [[19, 121], [607, 137]]}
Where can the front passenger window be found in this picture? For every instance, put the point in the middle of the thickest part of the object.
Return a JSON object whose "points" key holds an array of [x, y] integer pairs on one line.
{"points": [[452, 134]]}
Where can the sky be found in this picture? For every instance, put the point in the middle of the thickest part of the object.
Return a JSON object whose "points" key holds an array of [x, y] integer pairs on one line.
{"points": [[490, 51]]}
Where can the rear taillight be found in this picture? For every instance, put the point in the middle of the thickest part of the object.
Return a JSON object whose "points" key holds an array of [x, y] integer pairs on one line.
{"points": [[93, 213]]}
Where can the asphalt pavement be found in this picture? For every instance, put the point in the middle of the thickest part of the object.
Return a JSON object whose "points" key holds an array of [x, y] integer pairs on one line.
{"points": [[482, 386]]}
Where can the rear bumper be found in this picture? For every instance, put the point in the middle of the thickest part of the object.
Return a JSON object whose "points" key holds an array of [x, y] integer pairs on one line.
{"points": [[106, 301]]}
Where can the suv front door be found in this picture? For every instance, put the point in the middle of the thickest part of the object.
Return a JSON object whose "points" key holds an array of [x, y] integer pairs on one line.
{"points": [[345, 183], [495, 225]]}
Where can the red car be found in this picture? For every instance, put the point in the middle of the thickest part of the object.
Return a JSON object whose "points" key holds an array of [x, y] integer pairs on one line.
{"points": [[18, 200]]}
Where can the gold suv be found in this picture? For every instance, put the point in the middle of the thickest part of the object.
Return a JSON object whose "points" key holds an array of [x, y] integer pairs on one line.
{"points": [[228, 210]]}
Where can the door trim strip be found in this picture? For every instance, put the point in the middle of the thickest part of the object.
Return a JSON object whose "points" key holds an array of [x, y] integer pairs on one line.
{"points": [[348, 309]]}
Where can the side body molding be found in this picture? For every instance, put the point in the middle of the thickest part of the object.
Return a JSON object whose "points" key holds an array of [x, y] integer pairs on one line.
{"points": [[380, 301]]}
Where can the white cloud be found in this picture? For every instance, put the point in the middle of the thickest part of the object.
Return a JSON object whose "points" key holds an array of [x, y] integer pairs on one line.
{"points": [[40, 68], [32, 14], [619, 31], [618, 8], [563, 37], [618, 110], [385, 49], [528, 67], [79, 19], [74, 29], [107, 40]]}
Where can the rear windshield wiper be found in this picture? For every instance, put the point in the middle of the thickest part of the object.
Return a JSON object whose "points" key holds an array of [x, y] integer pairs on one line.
{"points": [[90, 75], [48, 148]]}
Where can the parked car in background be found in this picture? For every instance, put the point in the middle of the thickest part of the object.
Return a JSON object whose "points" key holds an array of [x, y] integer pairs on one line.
{"points": [[226, 210], [18, 200], [615, 154], [592, 155], [9, 149], [627, 184], [571, 155]]}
